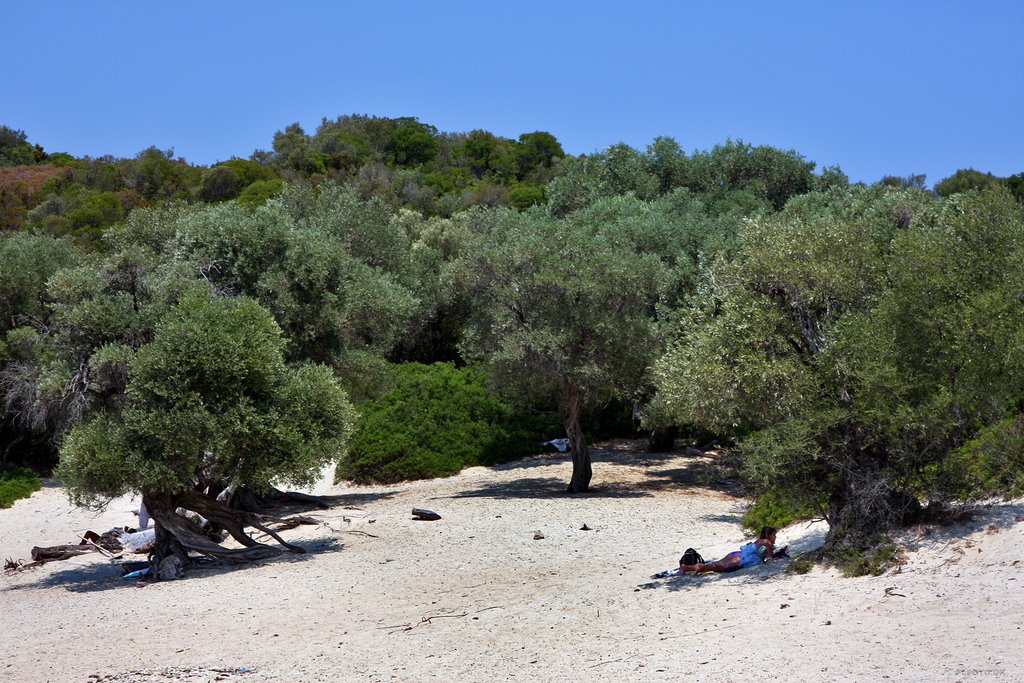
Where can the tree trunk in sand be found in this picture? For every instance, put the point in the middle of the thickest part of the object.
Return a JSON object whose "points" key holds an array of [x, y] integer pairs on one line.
{"points": [[572, 411], [177, 536]]}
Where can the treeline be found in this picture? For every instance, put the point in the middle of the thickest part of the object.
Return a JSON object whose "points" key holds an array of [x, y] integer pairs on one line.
{"points": [[402, 161], [861, 348]]}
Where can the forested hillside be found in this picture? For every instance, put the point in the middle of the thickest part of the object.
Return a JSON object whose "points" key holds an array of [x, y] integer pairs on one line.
{"points": [[178, 330]]}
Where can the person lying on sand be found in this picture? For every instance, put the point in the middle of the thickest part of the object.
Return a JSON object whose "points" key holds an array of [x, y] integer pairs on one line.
{"points": [[756, 552]]}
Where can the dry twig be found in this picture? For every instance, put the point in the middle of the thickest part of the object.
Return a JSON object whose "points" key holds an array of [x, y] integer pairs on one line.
{"points": [[698, 633], [353, 531]]}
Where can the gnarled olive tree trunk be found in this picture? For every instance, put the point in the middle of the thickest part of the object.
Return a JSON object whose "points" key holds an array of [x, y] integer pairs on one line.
{"points": [[177, 536], [866, 499]]}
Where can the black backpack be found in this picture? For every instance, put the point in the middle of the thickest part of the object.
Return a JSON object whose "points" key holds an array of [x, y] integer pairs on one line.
{"points": [[691, 557]]}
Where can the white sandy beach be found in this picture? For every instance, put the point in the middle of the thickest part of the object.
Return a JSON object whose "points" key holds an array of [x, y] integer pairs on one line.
{"points": [[475, 596]]}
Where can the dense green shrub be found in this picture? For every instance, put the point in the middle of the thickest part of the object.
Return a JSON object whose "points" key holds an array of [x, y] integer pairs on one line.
{"points": [[802, 564], [16, 482], [875, 559], [990, 465], [880, 555], [524, 195], [777, 510], [437, 420], [260, 191]]}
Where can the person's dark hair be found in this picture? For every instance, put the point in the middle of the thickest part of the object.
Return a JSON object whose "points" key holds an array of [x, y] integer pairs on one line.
{"points": [[768, 531]]}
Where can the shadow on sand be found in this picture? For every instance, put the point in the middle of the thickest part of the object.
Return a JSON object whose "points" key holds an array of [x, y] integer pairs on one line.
{"points": [[104, 575], [751, 576], [614, 453], [699, 471], [803, 537], [992, 516], [325, 502], [547, 487]]}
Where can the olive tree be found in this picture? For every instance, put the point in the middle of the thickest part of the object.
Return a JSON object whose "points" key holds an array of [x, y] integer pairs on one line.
{"points": [[335, 271], [562, 308], [854, 340], [27, 261], [210, 406]]}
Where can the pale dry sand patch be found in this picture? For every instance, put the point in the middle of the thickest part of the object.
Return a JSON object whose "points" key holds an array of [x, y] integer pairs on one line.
{"points": [[474, 596]]}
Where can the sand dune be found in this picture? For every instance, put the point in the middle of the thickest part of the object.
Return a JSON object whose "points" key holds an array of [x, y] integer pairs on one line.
{"points": [[476, 596]]}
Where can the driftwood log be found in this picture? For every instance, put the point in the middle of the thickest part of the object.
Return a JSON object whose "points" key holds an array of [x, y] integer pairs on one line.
{"points": [[107, 544], [59, 552]]}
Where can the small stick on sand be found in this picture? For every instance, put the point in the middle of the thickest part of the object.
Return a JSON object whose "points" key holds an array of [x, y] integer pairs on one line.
{"points": [[710, 630], [608, 662], [353, 531]]}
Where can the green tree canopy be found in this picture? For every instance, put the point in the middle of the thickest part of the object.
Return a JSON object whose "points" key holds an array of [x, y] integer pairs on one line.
{"points": [[26, 262], [760, 174], [1015, 183], [15, 149], [156, 175], [294, 153], [964, 180], [855, 339], [563, 312], [335, 271], [210, 402]]}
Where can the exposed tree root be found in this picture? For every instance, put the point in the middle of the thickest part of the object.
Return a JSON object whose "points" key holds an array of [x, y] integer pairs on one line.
{"points": [[177, 536]]}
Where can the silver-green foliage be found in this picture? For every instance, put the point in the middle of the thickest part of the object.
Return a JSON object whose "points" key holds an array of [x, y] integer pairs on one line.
{"points": [[564, 308], [210, 399], [336, 272], [26, 263], [855, 338]]}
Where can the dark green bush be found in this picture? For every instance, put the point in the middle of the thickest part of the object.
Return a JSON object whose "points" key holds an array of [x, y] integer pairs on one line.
{"points": [[437, 420], [856, 555], [777, 510], [802, 564], [16, 482], [259, 192], [524, 195], [990, 465], [875, 560]]}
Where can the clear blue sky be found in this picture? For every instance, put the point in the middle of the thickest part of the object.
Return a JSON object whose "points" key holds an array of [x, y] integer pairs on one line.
{"points": [[876, 87]]}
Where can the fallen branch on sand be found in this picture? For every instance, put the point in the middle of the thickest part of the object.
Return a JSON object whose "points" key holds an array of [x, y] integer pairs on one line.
{"points": [[427, 620], [101, 548], [59, 552], [274, 524], [11, 566], [287, 523]]}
